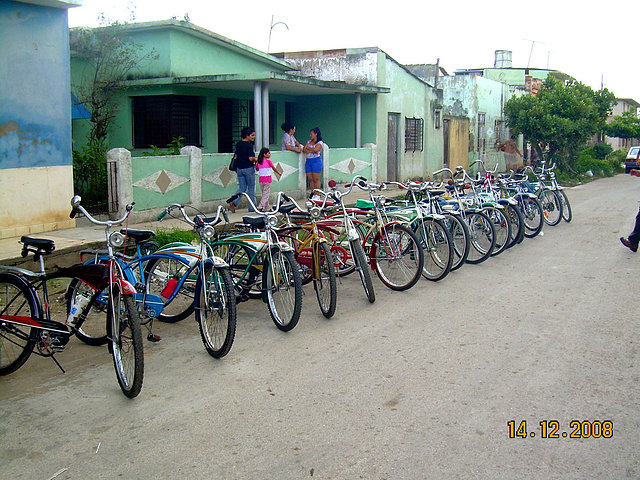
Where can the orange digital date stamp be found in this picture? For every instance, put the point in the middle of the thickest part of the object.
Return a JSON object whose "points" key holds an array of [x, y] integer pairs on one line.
{"points": [[551, 429]]}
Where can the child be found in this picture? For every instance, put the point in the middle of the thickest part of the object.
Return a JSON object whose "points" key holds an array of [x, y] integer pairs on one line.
{"points": [[265, 170]]}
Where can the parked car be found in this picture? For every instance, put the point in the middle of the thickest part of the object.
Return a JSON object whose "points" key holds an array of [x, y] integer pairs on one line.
{"points": [[633, 160]]}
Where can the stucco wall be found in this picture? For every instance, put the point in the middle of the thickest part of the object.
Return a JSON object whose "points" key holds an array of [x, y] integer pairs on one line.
{"points": [[35, 118]]}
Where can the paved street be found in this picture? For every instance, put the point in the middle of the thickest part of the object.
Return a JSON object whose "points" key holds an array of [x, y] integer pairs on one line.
{"points": [[420, 384]]}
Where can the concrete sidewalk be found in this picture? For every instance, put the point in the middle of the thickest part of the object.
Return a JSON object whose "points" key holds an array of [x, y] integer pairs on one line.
{"points": [[86, 235]]}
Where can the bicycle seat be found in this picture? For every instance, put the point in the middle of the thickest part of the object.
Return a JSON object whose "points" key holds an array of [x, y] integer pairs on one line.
{"points": [[138, 235], [436, 193], [287, 208], [43, 245], [255, 222]]}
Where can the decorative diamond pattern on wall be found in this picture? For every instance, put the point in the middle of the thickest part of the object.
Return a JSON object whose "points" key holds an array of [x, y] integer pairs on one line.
{"points": [[161, 181], [350, 166], [222, 177], [287, 170]]}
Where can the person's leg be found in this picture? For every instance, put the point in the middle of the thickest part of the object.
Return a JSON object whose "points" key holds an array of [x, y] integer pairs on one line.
{"points": [[251, 186], [316, 180], [242, 183], [634, 238], [310, 180], [266, 191]]}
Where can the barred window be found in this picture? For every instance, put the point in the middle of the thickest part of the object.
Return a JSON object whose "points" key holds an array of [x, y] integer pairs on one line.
{"points": [[482, 140], [500, 131], [413, 132], [159, 119]]}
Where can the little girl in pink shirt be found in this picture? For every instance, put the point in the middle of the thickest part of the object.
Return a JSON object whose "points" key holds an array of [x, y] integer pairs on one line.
{"points": [[265, 170]]}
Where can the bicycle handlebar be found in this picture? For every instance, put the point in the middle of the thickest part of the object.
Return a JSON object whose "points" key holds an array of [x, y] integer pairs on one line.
{"points": [[75, 203]]}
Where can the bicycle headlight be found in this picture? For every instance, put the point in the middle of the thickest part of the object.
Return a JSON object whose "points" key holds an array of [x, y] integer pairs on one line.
{"points": [[208, 232], [272, 220], [315, 212], [116, 239]]}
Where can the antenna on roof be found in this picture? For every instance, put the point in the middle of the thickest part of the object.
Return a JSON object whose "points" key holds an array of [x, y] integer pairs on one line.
{"points": [[271, 29], [533, 42]]}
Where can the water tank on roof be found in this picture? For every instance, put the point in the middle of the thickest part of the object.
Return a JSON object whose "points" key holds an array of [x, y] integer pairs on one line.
{"points": [[503, 59]]}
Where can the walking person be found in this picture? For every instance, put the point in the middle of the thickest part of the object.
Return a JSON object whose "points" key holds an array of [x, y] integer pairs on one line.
{"points": [[289, 142], [245, 164], [265, 167], [313, 164], [631, 242]]}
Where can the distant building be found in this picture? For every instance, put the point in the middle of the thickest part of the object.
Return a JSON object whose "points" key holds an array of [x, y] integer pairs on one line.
{"points": [[623, 105]]}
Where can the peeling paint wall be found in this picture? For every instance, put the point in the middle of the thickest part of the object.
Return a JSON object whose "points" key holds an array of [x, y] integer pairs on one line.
{"points": [[355, 66], [35, 118]]}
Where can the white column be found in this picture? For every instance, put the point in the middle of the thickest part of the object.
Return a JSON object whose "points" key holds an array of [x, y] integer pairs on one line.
{"points": [[257, 112], [124, 185], [358, 120], [195, 173], [265, 115]]}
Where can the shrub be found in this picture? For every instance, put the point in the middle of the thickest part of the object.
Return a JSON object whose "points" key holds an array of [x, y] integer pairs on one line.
{"points": [[90, 174], [163, 237], [587, 160], [601, 150]]}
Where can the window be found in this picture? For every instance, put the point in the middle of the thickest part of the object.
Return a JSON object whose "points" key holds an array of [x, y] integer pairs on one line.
{"points": [[233, 115], [413, 128], [482, 141], [158, 120], [438, 119], [500, 131]]}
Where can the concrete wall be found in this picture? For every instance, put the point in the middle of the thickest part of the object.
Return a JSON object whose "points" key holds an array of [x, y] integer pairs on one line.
{"points": [[36, 182]]}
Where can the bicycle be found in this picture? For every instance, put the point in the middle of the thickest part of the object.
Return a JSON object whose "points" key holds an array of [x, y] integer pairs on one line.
{"points": [[549, 199], [541, 174], [26, 323], [393, 249], [312, 252], [512, 186], [262, 265]]}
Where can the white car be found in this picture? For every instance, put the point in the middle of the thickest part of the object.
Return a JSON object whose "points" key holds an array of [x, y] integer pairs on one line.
{"points": [[632, 161]]}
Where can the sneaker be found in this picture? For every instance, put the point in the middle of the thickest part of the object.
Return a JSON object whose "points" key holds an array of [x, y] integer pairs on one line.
{"points": [[628, 244]]}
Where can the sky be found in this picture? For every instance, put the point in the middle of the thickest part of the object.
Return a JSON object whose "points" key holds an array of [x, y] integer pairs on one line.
{"points": [[593, 42]]}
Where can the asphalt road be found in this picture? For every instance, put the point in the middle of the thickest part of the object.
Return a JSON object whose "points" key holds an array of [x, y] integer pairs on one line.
{"points": [[421, 384]]}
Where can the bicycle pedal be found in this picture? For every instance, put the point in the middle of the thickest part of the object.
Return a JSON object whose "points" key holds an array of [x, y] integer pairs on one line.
{"points": [[153, 338]]}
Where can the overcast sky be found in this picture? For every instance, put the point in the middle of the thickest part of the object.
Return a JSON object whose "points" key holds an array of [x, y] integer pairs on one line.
{"points": [[593, 42]]}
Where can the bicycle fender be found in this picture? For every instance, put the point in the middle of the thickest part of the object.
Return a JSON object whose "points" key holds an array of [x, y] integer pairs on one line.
{"points": [[434, 216], [217, 262], [525, 194], [507, 201], [285, 247], [125, 286]]}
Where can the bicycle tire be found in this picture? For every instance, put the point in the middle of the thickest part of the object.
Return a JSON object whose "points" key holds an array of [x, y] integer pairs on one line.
{"points": [[482, 236], [361, 265], [551, 207], [216, 310], [437, 245], [397, 256], [324, 280], [125, 342], [91, 325], [283, 287], [158, 271], [16, 341], [567, 214], [239, 258], [502, 229], [532, 214], [517, 224], [460, 235]]}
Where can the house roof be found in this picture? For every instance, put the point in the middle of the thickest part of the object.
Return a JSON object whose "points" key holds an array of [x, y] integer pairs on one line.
{"points": [[281, 83], [54, 3], [208, 36], [629, 101]]}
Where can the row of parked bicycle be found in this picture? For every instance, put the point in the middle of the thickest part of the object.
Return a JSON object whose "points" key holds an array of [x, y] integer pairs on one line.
{"points": [[432, 229]]}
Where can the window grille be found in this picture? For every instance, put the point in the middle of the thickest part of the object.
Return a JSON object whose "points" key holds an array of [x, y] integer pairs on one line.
{"points": [[482, 141], [413, 134], [159, 119]]}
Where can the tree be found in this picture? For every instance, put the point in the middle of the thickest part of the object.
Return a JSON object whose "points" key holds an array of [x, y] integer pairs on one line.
{"points": [[560, 119], [108, 58], [626, 125]]}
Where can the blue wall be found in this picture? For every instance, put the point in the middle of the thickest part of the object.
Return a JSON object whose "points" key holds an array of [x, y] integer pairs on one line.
{"points": [[35, 110]]}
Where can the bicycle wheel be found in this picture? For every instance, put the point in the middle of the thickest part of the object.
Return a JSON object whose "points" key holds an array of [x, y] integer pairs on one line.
{"points": [[437, 246], [461, 239], [483, 237], [551, 207], [361, 265], [246, 275], [342, 259], [502, 229], [125, 342], [91, 324], [567, 215], [532, 214], [397, 256], [517, 224], [16, 341], [283, 286], [216, 311], [162, 275], [324, 279]]}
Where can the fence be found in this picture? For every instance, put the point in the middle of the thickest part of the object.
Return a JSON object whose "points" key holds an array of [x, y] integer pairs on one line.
{"points": [[94, 182], [204, 180]]}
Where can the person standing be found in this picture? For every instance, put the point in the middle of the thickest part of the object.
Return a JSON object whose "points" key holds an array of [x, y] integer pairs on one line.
{"points": [[313, 164], [289, 142], [511, 153], [245, 164], [631, 242], [265, 167]]}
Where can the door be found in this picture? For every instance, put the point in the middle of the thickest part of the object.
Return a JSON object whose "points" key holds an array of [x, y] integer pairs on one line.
{"points": [[393, 143], [456, 142]]}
